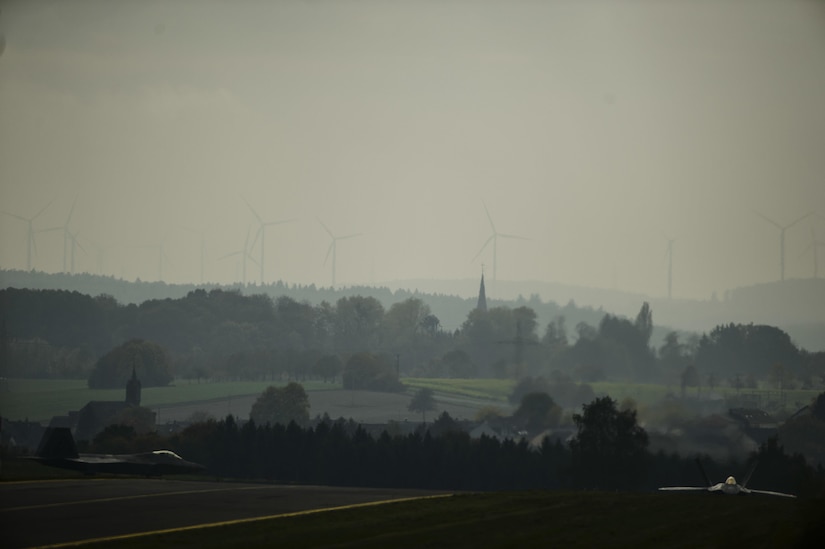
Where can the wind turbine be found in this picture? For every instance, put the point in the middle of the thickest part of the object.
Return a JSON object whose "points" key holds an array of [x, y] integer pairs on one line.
{"points": [[815, 244], [262, 233], [30, 233], [74, 245], [67, 235], [494, 239], [333, 247], [244, 253], [782, 230], [161, 257]]}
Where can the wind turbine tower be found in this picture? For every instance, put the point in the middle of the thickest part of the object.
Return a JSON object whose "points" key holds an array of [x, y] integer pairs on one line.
{"points": [[262, 233], [782, 230], [31, 245], [815, 245], [245, 255], [333, 246], [494, 239], [68, 237]]}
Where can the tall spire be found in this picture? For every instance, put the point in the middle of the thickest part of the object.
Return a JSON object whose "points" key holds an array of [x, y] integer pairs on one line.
{"points": [[482, 295], [133, 389]]}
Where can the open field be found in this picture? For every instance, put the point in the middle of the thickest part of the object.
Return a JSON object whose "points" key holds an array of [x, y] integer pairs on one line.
{"points": [[538, 519], [39, 400]]}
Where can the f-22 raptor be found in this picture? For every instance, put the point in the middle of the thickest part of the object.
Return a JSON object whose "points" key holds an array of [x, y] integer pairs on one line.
{"points": [[57, 449], [729, 487]]}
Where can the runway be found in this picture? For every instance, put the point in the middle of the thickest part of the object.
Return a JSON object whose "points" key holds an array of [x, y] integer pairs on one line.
{"points": [[54, 512]]}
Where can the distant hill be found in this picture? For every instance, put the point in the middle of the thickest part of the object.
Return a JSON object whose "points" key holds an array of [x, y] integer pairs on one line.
{"points": [[795, 306]]}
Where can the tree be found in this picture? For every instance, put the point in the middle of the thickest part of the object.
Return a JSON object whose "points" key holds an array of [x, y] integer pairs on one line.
{"points": [[422, 401], [458, 364], [818, 407], [357, 323], [149, 360], [281, 405], [690, 378], [537, 412], [609, 448], [644, 322], [371, 372], [328, 367]]}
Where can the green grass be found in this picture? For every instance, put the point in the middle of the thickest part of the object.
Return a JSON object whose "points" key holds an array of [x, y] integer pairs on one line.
{"points": [[40, 400], [534, 519], [491, 389]]}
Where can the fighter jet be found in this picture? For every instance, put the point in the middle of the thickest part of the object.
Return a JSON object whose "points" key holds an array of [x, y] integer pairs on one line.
{"points": [[729, 487], [57, 449]]}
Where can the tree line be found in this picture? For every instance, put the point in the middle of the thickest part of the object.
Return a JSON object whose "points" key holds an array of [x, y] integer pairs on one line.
{"points": [[223, 334], [608, 452]]}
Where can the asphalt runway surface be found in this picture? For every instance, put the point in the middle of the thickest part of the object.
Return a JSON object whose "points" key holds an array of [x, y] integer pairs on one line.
{"points": [[41, 513]]}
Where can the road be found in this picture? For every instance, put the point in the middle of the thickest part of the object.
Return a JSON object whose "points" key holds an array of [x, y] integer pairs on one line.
{"points": [[60, 511]]}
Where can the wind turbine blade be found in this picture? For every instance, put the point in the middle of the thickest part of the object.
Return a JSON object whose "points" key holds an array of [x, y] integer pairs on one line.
{"points": [[348, 236], [513, 236], [489, 217], [280, 222], [42, 210], [15, 215], [257, 234], [230, 254], [798, 220], [482, 248], [253, 211], [332, 236], [71, 211], [769, 220], [329, 251]]}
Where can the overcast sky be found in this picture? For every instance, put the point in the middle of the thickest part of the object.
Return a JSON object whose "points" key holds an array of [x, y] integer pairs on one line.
{"points": [[598, 130]]}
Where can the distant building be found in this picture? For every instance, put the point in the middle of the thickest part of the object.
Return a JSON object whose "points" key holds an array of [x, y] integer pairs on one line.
{"points": [[96, 415]]}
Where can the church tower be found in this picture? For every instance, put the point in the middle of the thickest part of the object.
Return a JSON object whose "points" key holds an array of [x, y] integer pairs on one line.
{"points": [[482, 296], [133, 390]]}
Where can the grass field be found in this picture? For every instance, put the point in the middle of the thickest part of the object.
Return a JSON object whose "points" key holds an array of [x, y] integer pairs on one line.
{"points": [[40, 400], [534, 519]]}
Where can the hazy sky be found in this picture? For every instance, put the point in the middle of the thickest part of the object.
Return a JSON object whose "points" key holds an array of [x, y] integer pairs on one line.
{"points": [[596, 129]]}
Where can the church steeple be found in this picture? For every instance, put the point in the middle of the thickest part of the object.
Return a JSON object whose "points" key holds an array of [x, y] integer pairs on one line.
{"points": [[482, 295], [133, 389]]}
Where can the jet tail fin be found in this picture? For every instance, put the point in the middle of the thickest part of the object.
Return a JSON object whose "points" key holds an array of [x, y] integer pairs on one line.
{"points": [[57, 442], [750, 472], [702, 470]]}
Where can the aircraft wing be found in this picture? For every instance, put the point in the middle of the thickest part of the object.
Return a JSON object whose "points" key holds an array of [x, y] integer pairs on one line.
{"points": [[683, 489], [770, 493]]}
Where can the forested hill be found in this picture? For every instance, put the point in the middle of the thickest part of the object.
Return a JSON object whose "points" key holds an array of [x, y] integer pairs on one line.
{"points": [[795, 306], [451, 310]]}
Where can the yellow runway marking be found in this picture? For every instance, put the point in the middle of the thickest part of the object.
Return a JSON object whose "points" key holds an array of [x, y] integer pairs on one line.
{"points": [[121, 498], [239, 521]]}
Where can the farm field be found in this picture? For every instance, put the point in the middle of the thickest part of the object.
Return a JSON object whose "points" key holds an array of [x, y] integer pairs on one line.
{"points": [[40, 400]]}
